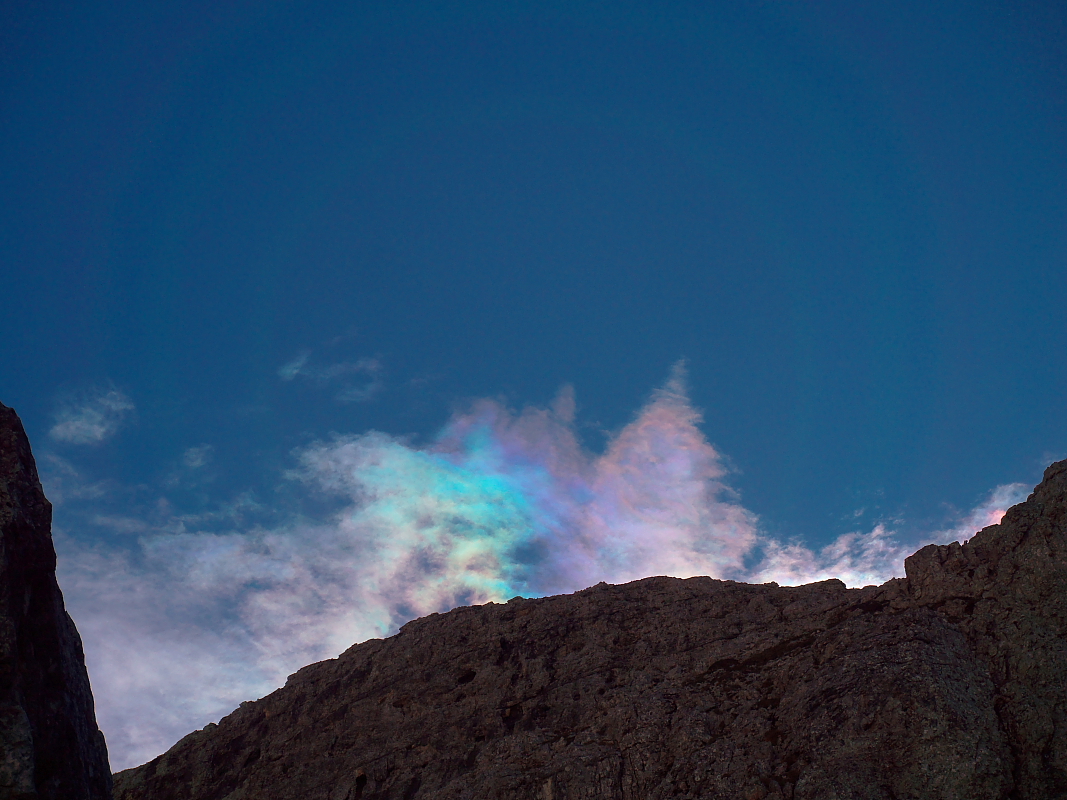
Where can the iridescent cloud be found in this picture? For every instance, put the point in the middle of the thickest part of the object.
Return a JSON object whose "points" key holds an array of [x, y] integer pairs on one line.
{"points": [[501, 503], [504, 504]]}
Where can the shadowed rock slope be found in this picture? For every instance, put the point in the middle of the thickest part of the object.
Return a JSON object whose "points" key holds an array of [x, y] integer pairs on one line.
{"points": [[949, 683], [50, 746]]}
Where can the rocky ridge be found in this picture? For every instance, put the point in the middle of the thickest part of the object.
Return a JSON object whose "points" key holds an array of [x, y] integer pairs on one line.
{"points": [[949, 683], [50, 746]]}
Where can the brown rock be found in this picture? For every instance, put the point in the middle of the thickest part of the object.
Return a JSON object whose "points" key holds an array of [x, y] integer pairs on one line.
{"points": [[50, 746], [951, 683]]}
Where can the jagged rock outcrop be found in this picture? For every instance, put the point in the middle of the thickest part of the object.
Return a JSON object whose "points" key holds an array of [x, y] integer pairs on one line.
{"points": [[50, 746], [950, 683]]}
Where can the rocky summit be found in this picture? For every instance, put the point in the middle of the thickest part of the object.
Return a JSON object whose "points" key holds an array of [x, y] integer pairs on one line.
{"points": [[50, 746], [949, 683]]}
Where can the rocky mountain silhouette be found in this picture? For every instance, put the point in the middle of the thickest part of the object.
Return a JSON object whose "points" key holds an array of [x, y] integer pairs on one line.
{"points": [[949, 683], [50, 746]]}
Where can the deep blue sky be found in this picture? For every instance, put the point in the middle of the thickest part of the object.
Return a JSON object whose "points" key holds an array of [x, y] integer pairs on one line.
{"points": [[231, 230], [848, 218]]}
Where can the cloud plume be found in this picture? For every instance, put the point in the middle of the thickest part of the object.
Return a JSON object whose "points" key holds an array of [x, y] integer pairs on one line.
{"points": [[190, 622], [504, 504]]}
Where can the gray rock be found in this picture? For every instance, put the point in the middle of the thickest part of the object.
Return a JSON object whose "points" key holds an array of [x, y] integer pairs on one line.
{"points": [[950, 683], [50, 746]]}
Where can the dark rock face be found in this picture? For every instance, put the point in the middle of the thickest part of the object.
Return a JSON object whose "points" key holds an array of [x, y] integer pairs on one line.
{"points": [[50, 746], [950, 683]]}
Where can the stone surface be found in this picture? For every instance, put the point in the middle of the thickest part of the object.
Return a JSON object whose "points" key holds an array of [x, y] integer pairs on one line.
{"points": [[950, 683], [50, 746]]}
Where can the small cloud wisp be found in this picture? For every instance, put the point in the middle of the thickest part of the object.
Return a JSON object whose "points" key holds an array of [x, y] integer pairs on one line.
{"points": [[357, 381], [93, 420]]}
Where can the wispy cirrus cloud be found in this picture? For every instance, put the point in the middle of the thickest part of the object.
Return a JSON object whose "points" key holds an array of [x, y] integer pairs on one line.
{"points": [[197, 457], [291, 369], [67, 483], [500, 503], [92, 419], [355, 381]]}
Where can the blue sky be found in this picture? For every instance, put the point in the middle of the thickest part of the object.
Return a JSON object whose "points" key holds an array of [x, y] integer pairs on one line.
{"points": [[808, 260]]}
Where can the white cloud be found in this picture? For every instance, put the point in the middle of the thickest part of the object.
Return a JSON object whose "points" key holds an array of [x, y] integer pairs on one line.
{"points": [[864, 558], [117, 523], [93, 420], [989, 512], [63, 482], [161, 660]]}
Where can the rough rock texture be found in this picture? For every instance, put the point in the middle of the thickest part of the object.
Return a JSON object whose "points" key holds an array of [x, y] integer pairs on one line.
{"points": [[50, 746], [950, 683]]}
